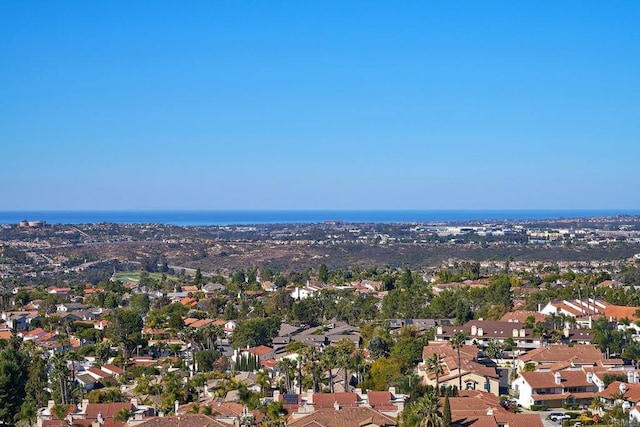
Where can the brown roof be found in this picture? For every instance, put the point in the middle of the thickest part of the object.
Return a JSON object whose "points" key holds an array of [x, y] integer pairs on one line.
{"points": [[113, 368], [521, 316], [345, 417], [260, 350], [189, 420], [108, 410], [620, 312], [471, 409], [547, 379], [327, 400], [560, 353], [632, 394], [378, 398]]}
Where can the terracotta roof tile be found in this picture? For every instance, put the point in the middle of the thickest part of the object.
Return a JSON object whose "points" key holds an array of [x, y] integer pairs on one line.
{"points": [[327, 400], [345, 417]]}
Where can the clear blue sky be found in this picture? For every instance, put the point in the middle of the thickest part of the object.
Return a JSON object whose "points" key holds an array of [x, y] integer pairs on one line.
{"points": [[319, 104]]}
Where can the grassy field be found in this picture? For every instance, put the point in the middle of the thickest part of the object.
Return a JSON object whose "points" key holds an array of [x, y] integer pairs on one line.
{"points": [[133, 276]]}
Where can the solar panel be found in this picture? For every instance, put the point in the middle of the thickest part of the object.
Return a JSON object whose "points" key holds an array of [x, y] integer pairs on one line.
{"points": [[290, 399]]}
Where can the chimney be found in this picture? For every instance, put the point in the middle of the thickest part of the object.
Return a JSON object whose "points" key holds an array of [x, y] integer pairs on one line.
{"points": [[636, 377], [276, 395], [100, 419], [309, 397], [480, 332], [176, 404], [83, 406], [51, 404], [490, 411], [630, 377], [392, 390], [336, 405], [558, 378]]}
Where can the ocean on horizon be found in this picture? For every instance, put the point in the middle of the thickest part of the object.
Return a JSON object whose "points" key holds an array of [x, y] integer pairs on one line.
{"points": [[250, 217]]}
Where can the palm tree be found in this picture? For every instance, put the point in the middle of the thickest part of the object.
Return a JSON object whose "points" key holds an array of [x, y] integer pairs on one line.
{"points": [[596, 404], [434, 365], [274, 415], [328, 360], [287, 366], [427, 410], [301, 360], [457, 340], [315, 368], [343, 361], [262, 380]]}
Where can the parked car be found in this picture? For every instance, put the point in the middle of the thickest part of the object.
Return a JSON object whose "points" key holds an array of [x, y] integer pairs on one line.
{"points": [[558, 417]]}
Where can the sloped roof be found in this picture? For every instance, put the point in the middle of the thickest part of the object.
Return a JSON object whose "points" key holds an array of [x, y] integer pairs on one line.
{"points": [[327, 400], [188, 420], [547, 379], [378, 398], [108, 410], [345, 417], [632, 394], [560, 353]]}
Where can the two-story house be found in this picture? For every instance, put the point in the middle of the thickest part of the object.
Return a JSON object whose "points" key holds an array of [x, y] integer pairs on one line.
{"points": [[553, 389]]}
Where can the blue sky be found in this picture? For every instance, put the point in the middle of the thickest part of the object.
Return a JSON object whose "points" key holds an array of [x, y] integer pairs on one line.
{"points": [[319, 105]]}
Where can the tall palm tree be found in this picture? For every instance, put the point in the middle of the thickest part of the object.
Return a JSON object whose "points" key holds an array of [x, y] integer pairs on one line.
{"points": [[263, 381], [287, 366], [457, 341], [434, 364], [301, 360], [329, 360], [315, 369]]}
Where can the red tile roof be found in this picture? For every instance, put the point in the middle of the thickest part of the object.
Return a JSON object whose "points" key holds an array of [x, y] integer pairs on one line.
{"points": [[108, 410], [345, 417], [328, 400], [261, 350]]}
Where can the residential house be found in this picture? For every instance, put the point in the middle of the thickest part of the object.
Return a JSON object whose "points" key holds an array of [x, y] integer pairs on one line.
{"points": [[553, 389], [474, 375], [303, 293], [545, 358], [482, 332], [69, 307], [618, 391]]}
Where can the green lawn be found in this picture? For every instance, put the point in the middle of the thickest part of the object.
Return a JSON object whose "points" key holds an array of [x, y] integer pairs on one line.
{"points": [[133, 276]]}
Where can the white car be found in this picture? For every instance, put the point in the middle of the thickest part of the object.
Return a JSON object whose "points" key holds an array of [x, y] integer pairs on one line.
{"points": [[558, 417]]}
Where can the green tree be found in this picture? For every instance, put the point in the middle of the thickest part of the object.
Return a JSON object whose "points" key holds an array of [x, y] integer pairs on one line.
{"points": [[139, 303], [124, 329], [384, 372], [255, 331], [323, 273], [197, 280], [207, 359], [446, 413], [13, 379], [35, 389]]}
